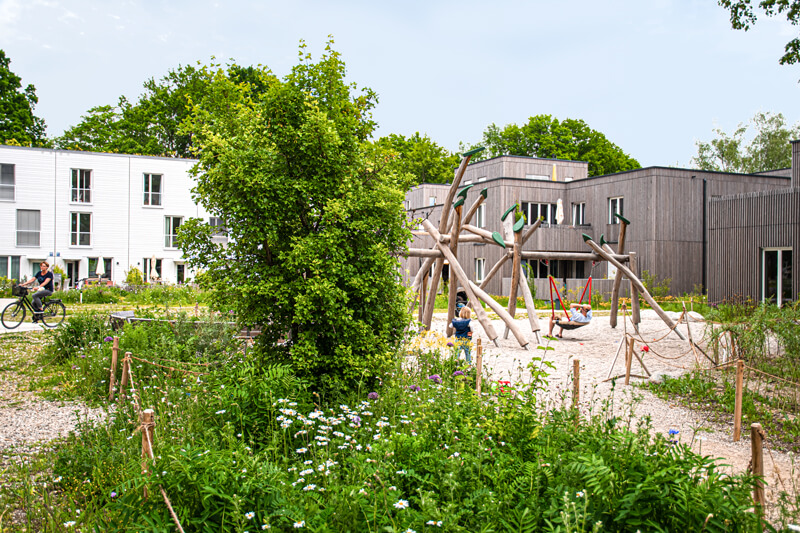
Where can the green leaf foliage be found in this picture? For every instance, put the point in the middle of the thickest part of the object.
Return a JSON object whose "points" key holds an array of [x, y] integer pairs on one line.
{"points": [[314, 216], [743, 16], [547, 137], [421, 157], [18, 124]]}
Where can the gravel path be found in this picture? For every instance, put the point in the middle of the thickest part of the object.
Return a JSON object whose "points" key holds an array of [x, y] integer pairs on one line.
{"points": [[595, 346]]}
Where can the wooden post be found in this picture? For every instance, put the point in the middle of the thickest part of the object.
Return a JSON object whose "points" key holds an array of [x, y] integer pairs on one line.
{"points": [[757, 462], [112, 380], [452, 288], [126, 361], [147, 424], [636, 316], [479, 368], [618, 278], [576, 382], [422, 294], [737, 406], [629, 360], [530, 304]]}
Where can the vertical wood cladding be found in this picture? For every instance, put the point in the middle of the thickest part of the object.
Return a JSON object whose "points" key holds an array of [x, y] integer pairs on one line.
{"points": [[740, 227], [664, 205]]}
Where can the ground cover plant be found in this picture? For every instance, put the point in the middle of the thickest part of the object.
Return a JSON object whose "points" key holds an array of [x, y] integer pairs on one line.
{"points": [[249, 445]]}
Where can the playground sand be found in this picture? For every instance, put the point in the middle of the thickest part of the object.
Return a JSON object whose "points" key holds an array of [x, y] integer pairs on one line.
{"points": [[595, 345]]}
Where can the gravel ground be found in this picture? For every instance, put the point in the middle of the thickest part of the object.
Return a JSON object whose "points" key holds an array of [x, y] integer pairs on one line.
{"points": [[595, 346]]}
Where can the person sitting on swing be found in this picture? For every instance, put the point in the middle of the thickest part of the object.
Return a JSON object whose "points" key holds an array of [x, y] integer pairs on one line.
{"points": [[581, 314]]}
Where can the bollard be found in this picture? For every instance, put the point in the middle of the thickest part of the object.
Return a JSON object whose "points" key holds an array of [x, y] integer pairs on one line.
{"points": [[757, 462]]}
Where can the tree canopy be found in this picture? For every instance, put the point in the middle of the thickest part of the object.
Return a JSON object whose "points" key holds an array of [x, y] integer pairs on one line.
{"points": [[545, 136], [314, 216], [18, 124], [743, 17], [423, 158], [769, 147]]}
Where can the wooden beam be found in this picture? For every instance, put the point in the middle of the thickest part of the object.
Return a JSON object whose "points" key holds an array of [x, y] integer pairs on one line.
{"points": [[618, 277], [453, 286], [571, 256]]}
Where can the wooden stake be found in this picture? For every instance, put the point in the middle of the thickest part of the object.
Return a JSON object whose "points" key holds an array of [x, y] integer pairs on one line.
{"points": [[757, 462], [479, 368], [636, 316], [576, 382], [618, 277], [126, 361], [113, 377], [147, 424], [516, 269], [737, 406], [629, 360]]}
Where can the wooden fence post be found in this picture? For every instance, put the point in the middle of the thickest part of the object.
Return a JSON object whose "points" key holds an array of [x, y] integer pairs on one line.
{"points": [[629, 360], [757, 462], [147, 424], [737, 406], [126, 361], [113, 378], [576, 382], [479, 368]]}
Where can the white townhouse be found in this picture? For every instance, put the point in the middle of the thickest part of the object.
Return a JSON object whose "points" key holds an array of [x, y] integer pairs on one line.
{"points": [[74, 209]]}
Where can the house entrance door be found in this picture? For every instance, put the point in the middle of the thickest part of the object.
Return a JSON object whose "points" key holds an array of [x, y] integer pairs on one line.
{"points": [[776, 275]]}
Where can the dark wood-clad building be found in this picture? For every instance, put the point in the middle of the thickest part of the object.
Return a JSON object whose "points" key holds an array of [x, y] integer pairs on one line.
{"points": [[669, 225], [753, 238]]}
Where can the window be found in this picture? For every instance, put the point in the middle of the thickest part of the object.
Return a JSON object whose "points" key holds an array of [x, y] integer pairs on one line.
{"points": [[29, 226], [533, 211], [480, 263], [151, 270], [80, 229], [480, 216], [9, 266], [171, 225], [579, 214], [93, 262], [152, 189], [614, 208], [776, 275], [540, 177], [219, 228], [483, 178], [432, 200], [6, 182], [81, 186]]}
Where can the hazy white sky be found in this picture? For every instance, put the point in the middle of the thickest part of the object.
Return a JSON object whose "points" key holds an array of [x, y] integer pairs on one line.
{"points": [[653, 75]]}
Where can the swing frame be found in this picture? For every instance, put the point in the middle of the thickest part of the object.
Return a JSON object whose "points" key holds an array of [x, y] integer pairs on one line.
{"points": [[569, 324]]}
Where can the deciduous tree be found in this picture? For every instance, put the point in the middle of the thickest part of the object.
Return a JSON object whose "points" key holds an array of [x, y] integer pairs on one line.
{"points": [[314, 215], [17, 121], [743, 16], [423, 158], [546, 136]]}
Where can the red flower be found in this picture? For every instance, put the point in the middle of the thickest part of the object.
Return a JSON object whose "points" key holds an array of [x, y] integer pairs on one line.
{"points": [[645, 348]]}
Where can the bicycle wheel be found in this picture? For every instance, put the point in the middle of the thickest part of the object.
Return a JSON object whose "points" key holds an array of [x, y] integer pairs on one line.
{"points": [[13, 315], [53, 314]]}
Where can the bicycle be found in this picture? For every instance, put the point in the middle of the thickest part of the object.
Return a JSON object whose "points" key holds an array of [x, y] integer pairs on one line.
{"points": [[52, 314]]}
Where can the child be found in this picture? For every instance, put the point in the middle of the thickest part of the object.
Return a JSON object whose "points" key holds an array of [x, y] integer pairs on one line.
{"points": [[463, 333]]}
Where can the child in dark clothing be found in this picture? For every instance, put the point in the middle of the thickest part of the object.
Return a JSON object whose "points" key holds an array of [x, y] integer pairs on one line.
{"points": [[463, 333]]}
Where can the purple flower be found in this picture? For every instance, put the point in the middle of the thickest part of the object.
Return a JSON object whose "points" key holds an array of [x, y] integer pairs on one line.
{"points": [[356, 420], [458, 373], [372, 395], [450, 344], [108, 339], [113, 494], [436, 378], [414, 388]]}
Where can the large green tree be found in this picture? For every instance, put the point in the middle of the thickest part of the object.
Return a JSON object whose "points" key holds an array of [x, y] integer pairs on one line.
{"points": [[18, 124], [546, 136], [314, 216], [743, 17], [420, 156], [768, 149]]}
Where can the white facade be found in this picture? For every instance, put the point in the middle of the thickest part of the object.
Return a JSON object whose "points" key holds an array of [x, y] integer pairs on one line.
{"points": [[72, 208]]}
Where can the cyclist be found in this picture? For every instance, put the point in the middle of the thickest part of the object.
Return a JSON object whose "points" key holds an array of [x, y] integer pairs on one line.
{"points": [[46, 286]]}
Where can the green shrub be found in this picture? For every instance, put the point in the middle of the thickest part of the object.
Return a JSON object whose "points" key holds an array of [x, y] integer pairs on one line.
{"points": [[134, 276], [79, 333]]}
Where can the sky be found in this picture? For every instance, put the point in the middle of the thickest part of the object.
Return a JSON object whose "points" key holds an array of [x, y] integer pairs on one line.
{"points": [[654, 76]]}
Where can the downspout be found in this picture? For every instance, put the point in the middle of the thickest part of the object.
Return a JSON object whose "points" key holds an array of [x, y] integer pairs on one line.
{"points": [[705, 243]]}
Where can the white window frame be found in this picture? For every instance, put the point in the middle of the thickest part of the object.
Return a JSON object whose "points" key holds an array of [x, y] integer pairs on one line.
{"points": [[148, 195], [431, 200], [537, 177], [779, 290], [171, 231], [616, 205], [7, 184], [75, 235], [480, 216], [27, 231], [547, 210], [480, 269], [579, 214], [482, 178], [9, 262], [80, 186]]}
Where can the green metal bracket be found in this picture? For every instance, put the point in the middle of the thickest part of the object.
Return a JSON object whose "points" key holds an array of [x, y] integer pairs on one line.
{"points": [[622, 218], [519, 224], [485, 193], [510, 209], [498, 239], [474, 151], [458, 203], [602, 239], [586, 238], [463, 192]]}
